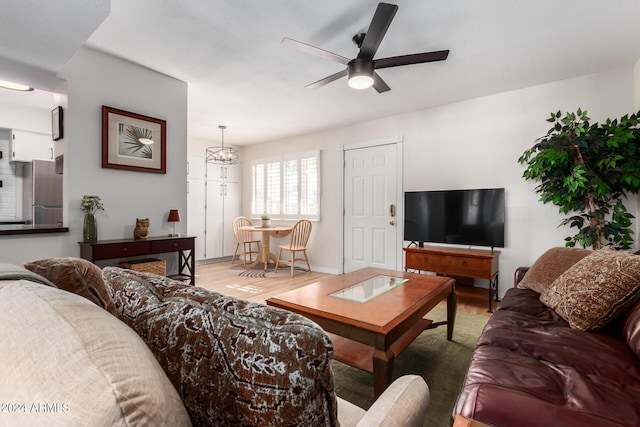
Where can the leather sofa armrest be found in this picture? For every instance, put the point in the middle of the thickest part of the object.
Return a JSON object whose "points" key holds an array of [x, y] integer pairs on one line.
{"points": [[403, 404], [519, 274]]}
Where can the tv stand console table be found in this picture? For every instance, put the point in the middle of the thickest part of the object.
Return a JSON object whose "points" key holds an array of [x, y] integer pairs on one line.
{"points": [[125, 248], [477, 264]]}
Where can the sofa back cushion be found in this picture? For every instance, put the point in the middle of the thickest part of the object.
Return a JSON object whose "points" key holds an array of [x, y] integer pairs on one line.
{"points": [[75, 275], [596, 290], [549, 266], [67, 362], [631, 328], [234, 362]]}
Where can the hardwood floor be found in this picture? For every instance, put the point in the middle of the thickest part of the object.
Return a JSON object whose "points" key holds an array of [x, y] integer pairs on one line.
{"points": [[216, 277]]}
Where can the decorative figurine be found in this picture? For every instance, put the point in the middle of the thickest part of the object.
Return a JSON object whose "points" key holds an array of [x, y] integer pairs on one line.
{"points": [[141, 231]]}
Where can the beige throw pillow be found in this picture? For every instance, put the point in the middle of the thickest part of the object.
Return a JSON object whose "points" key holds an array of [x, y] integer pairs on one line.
{"points": [[549, 266], [596, 289], [66, 362]]}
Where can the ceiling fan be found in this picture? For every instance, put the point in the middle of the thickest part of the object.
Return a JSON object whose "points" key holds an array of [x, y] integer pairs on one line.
{"points": [[361, 69]]}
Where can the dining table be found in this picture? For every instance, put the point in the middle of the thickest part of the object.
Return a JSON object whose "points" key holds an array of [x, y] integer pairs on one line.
{"points": [[267, 232]]}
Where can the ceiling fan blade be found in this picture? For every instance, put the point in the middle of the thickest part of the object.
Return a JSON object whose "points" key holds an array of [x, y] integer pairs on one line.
{"points": [[377, 29], [378, 84], [316, 51], [327, 80], [416, 58]]}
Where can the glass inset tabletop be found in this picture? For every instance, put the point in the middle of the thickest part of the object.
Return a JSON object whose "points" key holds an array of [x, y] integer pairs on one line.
{"points": [[369, 289]]}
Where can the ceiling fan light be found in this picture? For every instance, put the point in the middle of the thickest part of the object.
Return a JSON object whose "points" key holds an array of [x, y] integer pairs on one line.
{"points": [[361, 82], [360, 73]]}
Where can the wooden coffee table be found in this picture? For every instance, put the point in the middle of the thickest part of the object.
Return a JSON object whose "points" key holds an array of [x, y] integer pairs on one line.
{"points": [[369, 335]]}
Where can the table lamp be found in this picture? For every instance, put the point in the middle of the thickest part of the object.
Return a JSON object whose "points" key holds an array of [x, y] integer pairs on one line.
{"points": [[174, 217]]}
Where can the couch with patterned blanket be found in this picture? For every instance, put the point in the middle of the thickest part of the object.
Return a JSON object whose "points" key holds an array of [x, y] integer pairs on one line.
{"points": [[563, 347], [86, 346]]}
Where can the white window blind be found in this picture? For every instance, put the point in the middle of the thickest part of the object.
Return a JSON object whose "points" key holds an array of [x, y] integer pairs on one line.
{"points": [[287, 187]]}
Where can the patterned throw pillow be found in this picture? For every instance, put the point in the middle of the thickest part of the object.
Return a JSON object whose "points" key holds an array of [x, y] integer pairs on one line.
{"points": [[596, 290], [549, 266], [233, 362], [75, 275]]}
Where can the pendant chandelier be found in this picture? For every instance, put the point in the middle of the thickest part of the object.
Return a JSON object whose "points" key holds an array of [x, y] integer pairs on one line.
{"points": [[222, 155]]}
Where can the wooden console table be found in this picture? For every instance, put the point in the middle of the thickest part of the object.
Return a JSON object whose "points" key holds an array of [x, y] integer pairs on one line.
{"points": [[126, 248], [471, 263]]}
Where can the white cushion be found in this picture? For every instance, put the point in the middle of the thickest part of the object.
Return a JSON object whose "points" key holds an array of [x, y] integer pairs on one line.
{"points": [[67, 362], [403, 404]]}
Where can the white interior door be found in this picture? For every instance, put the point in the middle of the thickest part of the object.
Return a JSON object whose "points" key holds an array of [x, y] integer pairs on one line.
{"points": [[370, 207]]}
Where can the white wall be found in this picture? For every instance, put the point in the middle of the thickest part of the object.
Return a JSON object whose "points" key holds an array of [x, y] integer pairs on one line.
{"points": [[470, 144], [95, 79], [24, 117]]}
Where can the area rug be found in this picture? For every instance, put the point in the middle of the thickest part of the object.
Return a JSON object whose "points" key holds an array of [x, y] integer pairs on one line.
{"points": [[259, 272], [443, 365]]}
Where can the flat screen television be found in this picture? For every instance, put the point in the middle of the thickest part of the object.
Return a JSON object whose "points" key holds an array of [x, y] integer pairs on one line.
{"points": [[465, 217]]}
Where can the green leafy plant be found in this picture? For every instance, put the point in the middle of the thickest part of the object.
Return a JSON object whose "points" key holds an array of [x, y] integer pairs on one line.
{"points": [[587, 170], [90, 204], [265, 216]]}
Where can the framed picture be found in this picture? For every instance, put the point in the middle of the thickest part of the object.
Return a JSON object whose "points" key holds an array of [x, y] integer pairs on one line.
{"points": [[133, 142], [56, 124]]}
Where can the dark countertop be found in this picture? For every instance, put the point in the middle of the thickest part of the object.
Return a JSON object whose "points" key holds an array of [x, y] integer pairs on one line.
{"points": [[6, 220], [14, 229]]}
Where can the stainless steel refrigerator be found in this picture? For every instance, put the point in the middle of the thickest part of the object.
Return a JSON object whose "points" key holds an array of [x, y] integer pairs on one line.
{"points": [[42, 193]]}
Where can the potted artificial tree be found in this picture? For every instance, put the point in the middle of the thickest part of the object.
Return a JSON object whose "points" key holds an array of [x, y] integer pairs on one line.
{"points": [[587, 170]]}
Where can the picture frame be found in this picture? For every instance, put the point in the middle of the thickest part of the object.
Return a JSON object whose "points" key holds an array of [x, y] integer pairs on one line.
{"points": [[56, 124], [132, 141]]}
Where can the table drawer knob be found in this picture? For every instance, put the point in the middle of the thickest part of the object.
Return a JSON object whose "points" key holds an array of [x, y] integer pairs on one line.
{"points": [[124, 249]]}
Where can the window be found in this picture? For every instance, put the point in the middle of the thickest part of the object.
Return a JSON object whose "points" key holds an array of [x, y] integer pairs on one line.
{"points": [[287, 187]]}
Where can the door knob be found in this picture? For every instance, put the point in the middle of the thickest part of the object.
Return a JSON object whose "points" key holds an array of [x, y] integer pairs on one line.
{"points": [[392, 222]]}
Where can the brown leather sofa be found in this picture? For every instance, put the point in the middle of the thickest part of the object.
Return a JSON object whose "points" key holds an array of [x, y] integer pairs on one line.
{"points": [[530, 368]]}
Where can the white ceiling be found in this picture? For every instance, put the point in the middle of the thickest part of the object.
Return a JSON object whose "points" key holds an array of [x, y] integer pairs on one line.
{"points": [[239, 74]]}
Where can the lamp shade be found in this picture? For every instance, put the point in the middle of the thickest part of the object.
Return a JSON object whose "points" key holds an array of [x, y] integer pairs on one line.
{"points": [[174, 215]]}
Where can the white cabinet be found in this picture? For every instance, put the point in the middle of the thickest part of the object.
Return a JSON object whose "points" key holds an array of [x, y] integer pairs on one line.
{"points": [[213, 201], [222, 207], [26, 146], [196, 203]]}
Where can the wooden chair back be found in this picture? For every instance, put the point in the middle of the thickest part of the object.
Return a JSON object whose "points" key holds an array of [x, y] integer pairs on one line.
{"points": [[300, 234], [242, 235]]}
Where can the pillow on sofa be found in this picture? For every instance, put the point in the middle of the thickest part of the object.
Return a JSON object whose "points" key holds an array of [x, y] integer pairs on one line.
{"points": [[75, 275], [233, 362], [67, 362], [549, 266], [596, 289]]}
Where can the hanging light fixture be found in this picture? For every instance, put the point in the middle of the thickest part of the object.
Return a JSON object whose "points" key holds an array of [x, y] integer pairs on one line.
{"points": [[222, 155]]}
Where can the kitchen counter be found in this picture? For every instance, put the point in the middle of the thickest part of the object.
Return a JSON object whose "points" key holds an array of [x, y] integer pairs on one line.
{"points": [[4, 220], [14, 229]]}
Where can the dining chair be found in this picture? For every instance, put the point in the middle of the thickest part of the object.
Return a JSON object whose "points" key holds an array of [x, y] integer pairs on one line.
{"points": [[244, 238], [299, 236]]}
